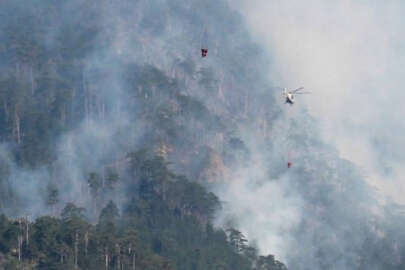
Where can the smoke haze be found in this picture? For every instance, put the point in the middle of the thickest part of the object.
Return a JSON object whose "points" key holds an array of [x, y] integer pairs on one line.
{"points": [[350, 55], [345, 140], [330, 205]]}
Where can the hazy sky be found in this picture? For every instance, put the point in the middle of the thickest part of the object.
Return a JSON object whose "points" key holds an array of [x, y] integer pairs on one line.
{"points": [[350, 54]]}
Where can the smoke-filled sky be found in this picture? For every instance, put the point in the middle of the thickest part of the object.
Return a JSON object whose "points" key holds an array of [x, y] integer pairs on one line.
{"points": [[351, 55], [347, 53]]}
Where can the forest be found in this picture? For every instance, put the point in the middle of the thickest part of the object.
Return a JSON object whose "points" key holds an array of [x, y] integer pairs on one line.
{"points": [[93, 127], [122, 148]]}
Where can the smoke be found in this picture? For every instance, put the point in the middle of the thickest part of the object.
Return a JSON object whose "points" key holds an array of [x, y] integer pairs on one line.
{"points": [[350, 56], [119, 72], [321, 213], [34, 183], [265, 211], [97, 140]]}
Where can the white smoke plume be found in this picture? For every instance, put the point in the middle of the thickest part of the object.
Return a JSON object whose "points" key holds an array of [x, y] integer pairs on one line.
{"points": [[349, 54]]}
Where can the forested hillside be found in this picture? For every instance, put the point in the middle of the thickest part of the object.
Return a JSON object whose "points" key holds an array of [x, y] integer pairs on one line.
{"points": [[165, 224], [122, 148], [110, 122]]}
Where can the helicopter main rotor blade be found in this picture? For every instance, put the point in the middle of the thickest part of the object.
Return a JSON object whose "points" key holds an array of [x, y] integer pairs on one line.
{"points": [[296, 90], [299, 93]]}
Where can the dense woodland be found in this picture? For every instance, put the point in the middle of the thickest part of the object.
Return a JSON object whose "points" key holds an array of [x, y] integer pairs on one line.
{"points": [[117, 137], [165, 225], [121, 198]]}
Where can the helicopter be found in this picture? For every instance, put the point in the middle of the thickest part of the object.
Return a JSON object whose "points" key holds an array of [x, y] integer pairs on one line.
{"points": [[289, 95]]}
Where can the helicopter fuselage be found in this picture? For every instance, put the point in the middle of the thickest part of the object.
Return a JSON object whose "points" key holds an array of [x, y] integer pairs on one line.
{"points": [[289, 98]]}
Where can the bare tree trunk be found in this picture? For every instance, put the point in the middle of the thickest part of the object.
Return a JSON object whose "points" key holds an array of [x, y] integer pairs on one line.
{"points": [[102, 172], [86, 242], [86, 100], [27, 232], [71, 118], [106, 258], [20, 240], [17, 126], [86, 109], [118, 248], [103, 111], [220, 87], [32, 80], [95, 203], [76, 248], [246, 103]]}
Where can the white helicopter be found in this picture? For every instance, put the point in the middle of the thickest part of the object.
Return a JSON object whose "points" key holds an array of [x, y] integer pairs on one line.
{"points": [[289, 95]]}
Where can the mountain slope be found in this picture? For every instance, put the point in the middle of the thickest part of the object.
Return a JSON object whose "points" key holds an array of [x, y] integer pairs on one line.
{"points": [[110, 106]]}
